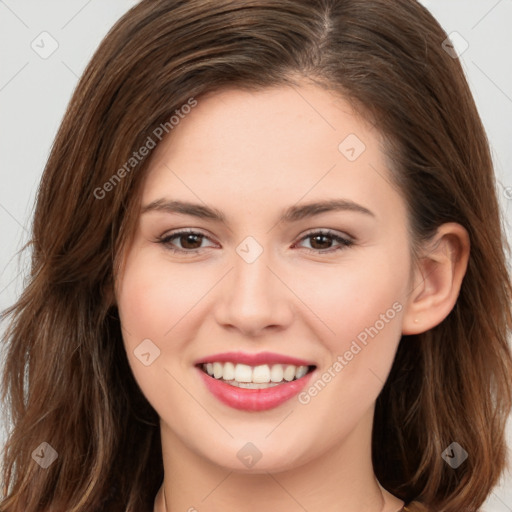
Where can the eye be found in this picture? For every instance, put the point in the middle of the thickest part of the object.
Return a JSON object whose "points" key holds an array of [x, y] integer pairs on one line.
{"points": [[321, 240], [189, 239]]}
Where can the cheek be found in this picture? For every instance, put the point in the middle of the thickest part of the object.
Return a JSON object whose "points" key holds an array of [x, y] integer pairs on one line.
{"points": [[150, 303], [359, 310], [153, 300], [350, 298]]}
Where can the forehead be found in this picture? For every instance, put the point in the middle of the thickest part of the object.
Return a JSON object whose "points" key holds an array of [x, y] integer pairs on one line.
{"points": [[254, 131], [248, 150]]}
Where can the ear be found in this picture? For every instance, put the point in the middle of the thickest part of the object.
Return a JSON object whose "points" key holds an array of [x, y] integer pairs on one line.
{"points": [[437, 279]]}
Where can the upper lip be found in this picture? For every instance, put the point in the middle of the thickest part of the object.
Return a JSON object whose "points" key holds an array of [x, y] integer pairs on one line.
{"points": [[254, 359]]}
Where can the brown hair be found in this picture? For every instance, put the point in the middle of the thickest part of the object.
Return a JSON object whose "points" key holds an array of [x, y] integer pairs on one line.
{"points": [[67, 379]]}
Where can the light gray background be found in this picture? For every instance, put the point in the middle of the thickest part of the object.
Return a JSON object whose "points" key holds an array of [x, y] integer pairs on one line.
{"points": [[34, 92]]}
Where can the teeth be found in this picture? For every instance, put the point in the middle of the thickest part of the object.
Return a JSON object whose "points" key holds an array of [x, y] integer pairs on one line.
{"points": [[276, 373], [243, 373], [301, 371], [261, 374], [289, 373], [228, 373], [257, 377], [218, 370], [252, 385]]}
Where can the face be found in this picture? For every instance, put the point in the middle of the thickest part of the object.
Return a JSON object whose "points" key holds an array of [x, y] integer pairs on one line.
{"points": [[263, 287]]}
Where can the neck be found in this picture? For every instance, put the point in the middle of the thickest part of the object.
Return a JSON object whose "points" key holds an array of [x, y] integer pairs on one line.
{"points": [[340, 480]]}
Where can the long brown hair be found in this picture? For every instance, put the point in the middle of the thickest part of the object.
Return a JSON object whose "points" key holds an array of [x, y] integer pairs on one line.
{"points": [[67, 381]]}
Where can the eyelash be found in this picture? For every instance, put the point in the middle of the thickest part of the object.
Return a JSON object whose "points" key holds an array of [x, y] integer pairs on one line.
{"points": [[344, 242]]}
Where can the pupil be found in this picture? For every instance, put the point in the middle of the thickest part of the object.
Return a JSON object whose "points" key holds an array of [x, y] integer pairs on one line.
{"points": [[324, 237], [190, 238]]}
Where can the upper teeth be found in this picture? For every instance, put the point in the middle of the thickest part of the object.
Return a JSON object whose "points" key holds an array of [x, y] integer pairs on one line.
{"points": [[256, 374]]}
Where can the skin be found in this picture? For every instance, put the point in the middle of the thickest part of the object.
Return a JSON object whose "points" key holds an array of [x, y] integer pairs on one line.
{"points": [[252, 155]]}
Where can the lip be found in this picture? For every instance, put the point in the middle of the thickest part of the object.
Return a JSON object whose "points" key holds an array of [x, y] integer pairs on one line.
{"points": [[253, 399], [254, 359]]}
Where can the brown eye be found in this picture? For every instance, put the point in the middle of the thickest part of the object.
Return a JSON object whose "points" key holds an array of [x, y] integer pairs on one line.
{"points": [[183, 241], [321, 241], [190, 241]]}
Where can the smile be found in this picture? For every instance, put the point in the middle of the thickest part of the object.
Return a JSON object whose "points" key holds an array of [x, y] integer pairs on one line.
{"points": [[254, 382], [257, 377]]}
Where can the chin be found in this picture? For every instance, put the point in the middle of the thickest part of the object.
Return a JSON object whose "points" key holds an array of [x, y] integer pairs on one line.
{"points": [[256, 457]]}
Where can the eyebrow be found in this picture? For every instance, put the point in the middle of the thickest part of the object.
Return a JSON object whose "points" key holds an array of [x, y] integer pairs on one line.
{"points": [[292, 214]]}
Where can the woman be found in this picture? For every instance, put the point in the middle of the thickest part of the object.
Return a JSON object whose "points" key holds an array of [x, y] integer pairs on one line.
{"points": [[268, 272]]}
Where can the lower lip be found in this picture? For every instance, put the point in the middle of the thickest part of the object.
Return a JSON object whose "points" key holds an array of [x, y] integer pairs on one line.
{"points": [[254, 399]]}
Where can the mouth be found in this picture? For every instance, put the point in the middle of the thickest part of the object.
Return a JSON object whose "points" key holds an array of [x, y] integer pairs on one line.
{"points": [[259, 386], [255, 377]]}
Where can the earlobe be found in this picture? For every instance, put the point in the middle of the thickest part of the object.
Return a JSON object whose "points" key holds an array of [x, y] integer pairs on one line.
{"points": [[437, 279]]}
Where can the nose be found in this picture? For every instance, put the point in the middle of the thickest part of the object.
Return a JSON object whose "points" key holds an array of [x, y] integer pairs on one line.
{"points": [[254, 298]]}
